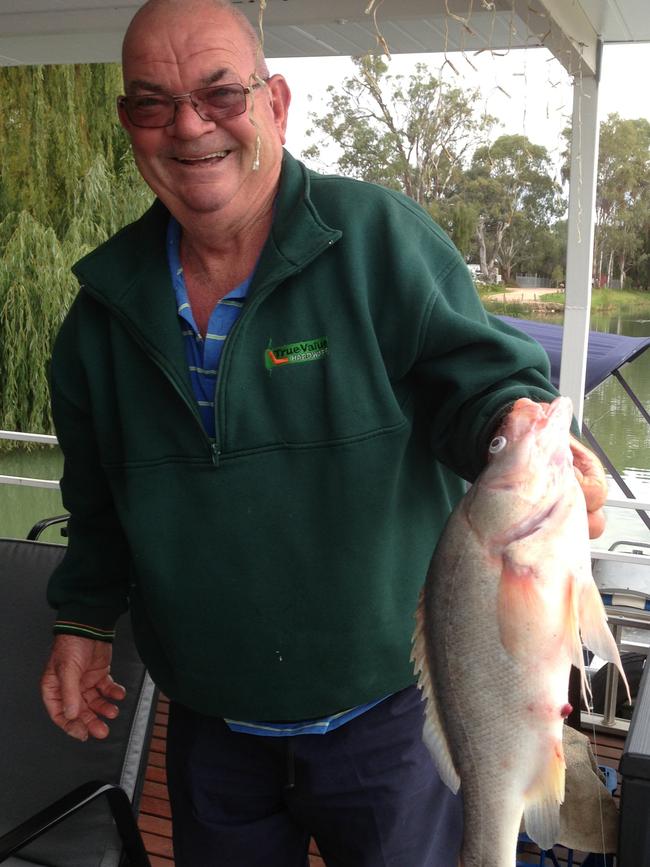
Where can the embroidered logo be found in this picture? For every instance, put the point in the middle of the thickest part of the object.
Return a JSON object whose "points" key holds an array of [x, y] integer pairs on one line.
{"points": [[295, 353]]}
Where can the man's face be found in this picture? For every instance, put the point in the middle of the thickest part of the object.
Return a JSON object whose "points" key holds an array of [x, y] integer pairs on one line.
{"points": [[199, 167]]}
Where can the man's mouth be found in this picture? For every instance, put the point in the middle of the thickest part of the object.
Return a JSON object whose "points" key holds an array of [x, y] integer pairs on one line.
{"points": [[206, 159]]}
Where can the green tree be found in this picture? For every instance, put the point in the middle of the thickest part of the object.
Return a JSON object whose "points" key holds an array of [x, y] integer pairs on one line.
{"points": [[67, 182], [54, 122], [510, 183], [623, 196], [622, 238], [458, 218], [411, 134]]}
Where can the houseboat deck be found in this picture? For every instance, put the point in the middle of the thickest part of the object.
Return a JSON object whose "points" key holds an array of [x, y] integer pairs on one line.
{"points": [[154, 818]]}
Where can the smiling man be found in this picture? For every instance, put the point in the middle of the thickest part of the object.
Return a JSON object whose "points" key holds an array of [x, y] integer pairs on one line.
{"points": [[267, 392], [212, 156]]}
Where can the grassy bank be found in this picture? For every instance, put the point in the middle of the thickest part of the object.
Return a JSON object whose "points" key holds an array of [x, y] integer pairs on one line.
{"points": [[602, 301], [610, 299]]}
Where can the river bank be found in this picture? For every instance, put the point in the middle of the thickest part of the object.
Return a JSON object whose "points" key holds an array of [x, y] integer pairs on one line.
{"points": [[530, 303]]}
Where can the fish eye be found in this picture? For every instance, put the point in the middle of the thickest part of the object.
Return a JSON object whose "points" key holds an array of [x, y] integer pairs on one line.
{"points": [[497, 444]]}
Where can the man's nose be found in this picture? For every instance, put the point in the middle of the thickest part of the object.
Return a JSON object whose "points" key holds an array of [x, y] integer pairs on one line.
{"points": [[187, 121]]}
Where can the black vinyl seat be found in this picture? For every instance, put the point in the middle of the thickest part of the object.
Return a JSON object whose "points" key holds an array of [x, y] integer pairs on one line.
{"points": [[40, 766]]}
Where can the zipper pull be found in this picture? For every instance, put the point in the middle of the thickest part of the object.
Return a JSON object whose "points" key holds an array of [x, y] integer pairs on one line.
{"points": [[214, 448]]}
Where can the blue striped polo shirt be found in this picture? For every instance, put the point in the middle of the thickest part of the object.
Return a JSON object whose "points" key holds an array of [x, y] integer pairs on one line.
{"points": [[203, 356]]}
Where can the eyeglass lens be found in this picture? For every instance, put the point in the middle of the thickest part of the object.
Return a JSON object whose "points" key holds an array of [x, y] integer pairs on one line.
{"points": [[210, 103]]}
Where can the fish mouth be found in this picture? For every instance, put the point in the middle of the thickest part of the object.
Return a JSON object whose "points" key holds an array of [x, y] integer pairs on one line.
{"points": [[205, 160]]}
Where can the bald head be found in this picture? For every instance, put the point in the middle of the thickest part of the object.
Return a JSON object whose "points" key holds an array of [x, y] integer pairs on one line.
{"points": [[158, 11]]}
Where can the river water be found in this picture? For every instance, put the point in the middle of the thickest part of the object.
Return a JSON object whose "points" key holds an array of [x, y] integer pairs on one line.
{"points": [[621, 430], [613, 419]]}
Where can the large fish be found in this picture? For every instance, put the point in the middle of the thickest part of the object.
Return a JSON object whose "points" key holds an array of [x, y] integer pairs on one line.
{"points": [[507, 598]]}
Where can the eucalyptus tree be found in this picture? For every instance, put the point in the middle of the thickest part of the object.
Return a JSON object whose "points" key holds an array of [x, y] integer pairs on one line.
{"points": [[623, 196], [413, 134], [510, 183]]}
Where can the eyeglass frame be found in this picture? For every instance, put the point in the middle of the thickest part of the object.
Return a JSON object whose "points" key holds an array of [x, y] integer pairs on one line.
{"points": [[122, 102]]}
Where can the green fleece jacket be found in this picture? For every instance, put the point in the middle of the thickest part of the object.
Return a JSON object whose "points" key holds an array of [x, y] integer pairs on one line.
{"points": [[273, 573]]}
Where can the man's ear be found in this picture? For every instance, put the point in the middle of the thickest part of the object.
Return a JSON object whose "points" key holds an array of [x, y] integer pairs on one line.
{"points": [[280, 100]]}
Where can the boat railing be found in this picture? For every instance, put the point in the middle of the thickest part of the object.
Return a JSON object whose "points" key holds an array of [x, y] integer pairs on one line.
{"points": [[625, 588], [43, 439]]}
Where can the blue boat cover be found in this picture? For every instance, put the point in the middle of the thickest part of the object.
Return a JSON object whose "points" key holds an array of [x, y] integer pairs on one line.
{"points": [[606, 352]]}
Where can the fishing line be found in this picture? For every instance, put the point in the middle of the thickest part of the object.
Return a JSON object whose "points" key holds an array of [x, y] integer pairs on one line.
{"points": [[590, 710]]}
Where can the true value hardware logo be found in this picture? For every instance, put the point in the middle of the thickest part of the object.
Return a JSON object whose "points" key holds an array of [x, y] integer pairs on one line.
{"points": [[295, 353]]}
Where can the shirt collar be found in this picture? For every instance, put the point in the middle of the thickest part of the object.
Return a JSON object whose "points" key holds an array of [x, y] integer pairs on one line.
{"points": [[174, 231]]}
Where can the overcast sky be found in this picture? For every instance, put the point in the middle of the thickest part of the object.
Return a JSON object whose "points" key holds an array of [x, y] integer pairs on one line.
{"points": [[539, 100]]}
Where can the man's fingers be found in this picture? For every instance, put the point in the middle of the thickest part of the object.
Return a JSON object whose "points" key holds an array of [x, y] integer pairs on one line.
{"points": [[70, 680], [596, 523], [591, 476], [76, 729], [111, 690], [101, 707]]}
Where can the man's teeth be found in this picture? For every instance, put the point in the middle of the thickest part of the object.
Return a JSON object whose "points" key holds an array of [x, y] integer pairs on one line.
{"points": [[219, 154]]}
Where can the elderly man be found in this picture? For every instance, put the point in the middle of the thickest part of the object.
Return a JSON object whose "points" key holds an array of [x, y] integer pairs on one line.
{"points": [[267, 392]]}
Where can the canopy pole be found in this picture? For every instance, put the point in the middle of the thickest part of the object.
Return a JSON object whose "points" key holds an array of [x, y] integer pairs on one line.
{"points": [[581, 226]]}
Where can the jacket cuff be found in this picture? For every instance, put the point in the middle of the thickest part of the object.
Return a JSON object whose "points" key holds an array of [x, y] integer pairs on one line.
{"points": [[89, 622], [69, 627]]}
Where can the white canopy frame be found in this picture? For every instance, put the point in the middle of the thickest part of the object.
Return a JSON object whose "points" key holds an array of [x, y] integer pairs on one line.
{"points": [[580, 242]]}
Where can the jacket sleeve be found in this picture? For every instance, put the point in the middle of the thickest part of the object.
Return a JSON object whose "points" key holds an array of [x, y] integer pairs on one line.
{"points": [[90, 586], [469, 366]]}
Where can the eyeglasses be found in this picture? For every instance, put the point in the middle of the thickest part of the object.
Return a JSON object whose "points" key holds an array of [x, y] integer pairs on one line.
{"points": [[210, 103]]}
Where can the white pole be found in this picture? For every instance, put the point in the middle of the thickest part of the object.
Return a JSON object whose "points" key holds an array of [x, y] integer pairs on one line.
{"points": [[581, 225]]}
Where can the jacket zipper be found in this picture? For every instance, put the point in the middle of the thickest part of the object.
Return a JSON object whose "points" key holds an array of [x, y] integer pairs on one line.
{"points": [[213, 447]]}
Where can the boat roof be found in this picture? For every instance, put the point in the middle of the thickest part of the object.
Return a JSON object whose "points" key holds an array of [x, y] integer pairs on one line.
{"points": [[606, 352]]}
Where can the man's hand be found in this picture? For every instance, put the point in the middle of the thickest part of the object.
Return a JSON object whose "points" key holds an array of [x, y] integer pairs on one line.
{"points": [[77, 687], [591, 476]]}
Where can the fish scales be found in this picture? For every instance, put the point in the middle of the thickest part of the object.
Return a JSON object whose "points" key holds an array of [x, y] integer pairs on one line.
{"points": [[498, 626]]}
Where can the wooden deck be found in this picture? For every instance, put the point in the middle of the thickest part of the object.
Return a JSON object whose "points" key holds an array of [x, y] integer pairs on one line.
{"points": [[154, 818]]}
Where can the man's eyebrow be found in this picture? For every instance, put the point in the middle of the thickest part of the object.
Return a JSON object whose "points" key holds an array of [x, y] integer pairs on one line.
{"points": [[217, 75], [211, 78], [141, 84]]}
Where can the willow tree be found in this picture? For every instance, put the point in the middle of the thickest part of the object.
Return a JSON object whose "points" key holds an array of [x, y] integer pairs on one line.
{"points": [[67, 182]]}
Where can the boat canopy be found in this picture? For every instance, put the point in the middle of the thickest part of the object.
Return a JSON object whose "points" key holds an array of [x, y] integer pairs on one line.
{"points": [[606, 353]]}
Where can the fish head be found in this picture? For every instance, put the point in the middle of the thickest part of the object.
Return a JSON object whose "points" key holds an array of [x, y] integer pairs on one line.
{"points": [[530, 454]]}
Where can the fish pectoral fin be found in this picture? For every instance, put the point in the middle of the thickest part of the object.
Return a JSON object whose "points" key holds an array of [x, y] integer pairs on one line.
{"points": [[573, 638], [433, 733], [594, 630], [518, 601], [542, 807]]}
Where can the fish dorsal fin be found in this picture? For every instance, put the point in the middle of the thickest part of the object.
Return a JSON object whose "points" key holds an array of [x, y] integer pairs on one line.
{"points": [[542, 807], [433, 733], [594, 630]]}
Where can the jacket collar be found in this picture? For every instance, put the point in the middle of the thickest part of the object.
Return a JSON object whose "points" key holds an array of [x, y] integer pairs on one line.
{"points": [[129, 273]]}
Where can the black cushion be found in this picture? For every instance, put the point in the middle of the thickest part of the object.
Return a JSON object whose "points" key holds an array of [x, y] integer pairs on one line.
{"points": [[38, 762]]}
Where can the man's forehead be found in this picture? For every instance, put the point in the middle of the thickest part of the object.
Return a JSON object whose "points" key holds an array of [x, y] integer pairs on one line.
{"points": [[167, 37], [205, 58]]}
